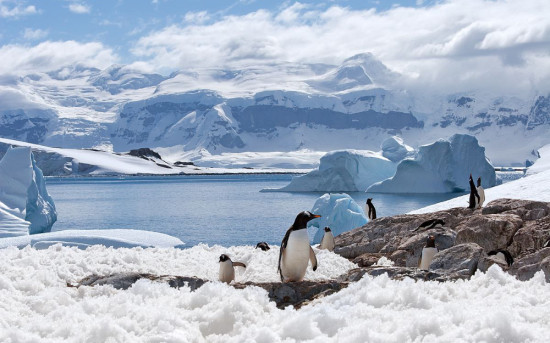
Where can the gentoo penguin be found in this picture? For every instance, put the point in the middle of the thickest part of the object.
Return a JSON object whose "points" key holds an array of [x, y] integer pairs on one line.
{"points": [[263, 246], [481, 193], [227, 272], [328, 240], [430, 224], [370, 210], [427, 253], [503, 255], [295, 250], [474, 197]]}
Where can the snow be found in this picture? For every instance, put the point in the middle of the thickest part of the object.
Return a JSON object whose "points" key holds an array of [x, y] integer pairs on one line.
{"points": [[23, 195], [534, 187], [344, 171], [441, 167], [339, 212], [38, 306]]}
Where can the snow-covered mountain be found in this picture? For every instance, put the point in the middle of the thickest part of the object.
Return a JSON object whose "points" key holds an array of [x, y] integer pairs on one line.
{"points": [[279, 107]]}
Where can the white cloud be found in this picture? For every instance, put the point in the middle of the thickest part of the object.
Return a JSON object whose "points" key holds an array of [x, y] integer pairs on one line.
{"points": [[79, 8], [457, 43], [48, 56], [196, 17], [8, 9], [37, 34]]}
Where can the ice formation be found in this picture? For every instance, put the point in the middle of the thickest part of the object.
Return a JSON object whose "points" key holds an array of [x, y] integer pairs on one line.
{"points": [[339, 212], [24, 195], [441, 167], [344, 171], [395, 150]]}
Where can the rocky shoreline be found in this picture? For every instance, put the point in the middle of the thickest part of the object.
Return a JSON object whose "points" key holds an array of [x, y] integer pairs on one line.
{"points": [[521, 227]]}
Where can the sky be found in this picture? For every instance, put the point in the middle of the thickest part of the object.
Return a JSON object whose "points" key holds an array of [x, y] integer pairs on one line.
{"points": [[491, 45]]}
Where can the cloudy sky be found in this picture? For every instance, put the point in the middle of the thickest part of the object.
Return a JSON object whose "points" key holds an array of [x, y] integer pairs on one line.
{"points": [[492, 45]]}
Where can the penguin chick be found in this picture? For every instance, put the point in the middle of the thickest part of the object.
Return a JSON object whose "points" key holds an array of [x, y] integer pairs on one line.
{"points": [[328, 240], [263, 245], [227, 270], [428, 253], [295, 251]]}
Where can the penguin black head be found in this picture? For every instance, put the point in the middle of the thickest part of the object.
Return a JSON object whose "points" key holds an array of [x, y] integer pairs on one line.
{"points": [[479, 181], [224, 257], [302, 218], [263, 245], [369, 201], [430, 243], [327, 229]]}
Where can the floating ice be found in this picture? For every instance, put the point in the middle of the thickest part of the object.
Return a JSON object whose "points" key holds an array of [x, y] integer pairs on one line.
{"points": [[339, 212], [395, 150], [344, 171], [441, 167]]}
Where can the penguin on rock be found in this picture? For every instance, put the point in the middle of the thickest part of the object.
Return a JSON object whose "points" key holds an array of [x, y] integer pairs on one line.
{"points": [[227, 270], [370, 210], [328, 240]]}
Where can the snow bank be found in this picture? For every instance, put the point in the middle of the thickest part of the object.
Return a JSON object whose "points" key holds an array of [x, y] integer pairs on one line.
{"points": [[534, 187], [395, 150], [339, 212], [344, 171], [117, 238], [24, 195], [543, 163], [441, 167], [491, 307]]}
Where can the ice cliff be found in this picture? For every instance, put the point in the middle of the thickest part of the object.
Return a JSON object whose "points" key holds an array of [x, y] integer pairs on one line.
{"points": [[441, 167], [395, 150], [339, 212], [344, 171], [26, 206]]}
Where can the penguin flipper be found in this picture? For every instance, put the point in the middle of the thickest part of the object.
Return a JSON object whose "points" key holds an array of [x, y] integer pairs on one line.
{"points": [[239, 264], [313, 259]]}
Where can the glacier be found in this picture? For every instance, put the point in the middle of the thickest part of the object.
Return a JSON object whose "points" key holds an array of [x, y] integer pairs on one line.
{"points": [[395, 150], [441, 167], [339, 212], [23, 192], [344, 171]]}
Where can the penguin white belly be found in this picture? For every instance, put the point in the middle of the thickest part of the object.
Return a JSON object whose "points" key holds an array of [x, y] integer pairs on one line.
{"points": [[227, 272], [327, 242], [481, 193], [296, 256], [501, 257], [427, 257]]}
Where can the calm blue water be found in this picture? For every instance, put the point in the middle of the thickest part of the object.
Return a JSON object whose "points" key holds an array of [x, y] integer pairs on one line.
{"points": [[214, 209]]}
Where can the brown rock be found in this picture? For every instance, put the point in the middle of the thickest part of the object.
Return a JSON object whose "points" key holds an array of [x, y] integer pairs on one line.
{"points": [[461, 259], [531, 237], [525, 268], [492, 231], [367, 259], [486, 261]]}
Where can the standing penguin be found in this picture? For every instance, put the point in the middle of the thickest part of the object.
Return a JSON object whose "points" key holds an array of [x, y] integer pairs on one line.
{"points": [[227, 270], [474, 197], [328, 240], [480, 192], [427, 253], [295, 250], [370, 210]]}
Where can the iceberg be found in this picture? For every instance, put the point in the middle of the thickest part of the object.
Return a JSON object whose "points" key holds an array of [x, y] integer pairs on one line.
{"points": [[23, 195], [339, 212], [441, 167], [344, 171], [395, 150]]}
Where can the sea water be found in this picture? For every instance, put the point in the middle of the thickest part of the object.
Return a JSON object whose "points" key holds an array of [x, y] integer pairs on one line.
{"points": [[214, 209]]}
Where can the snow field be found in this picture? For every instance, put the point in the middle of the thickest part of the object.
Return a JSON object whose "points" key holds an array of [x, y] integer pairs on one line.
{"points": [[37, 306]]}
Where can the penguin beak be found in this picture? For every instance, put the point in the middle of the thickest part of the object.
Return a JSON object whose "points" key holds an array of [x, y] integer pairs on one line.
{"points": [[316, 216]]}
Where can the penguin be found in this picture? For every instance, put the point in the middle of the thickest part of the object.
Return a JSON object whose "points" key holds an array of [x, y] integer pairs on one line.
{"points": [[263, 245], [428, 253], [371, 211], [227, 270], [328, 240], [474, 197], [503, 255], [295, 250], [430, 224], [481, 193]]}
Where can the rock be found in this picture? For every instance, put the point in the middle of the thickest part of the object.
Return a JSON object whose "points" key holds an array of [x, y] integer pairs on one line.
{"points": [[399, 273], [283, 294], [526, 209], [492, 231], [367, 259], [531, 237], [409, 252], [486, 261], [461, 259], [526, 267]]}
